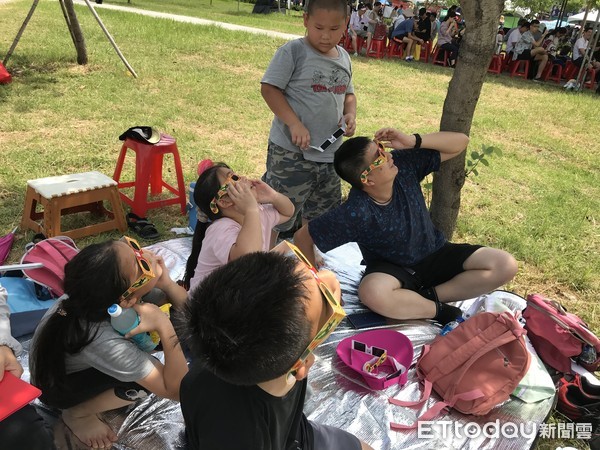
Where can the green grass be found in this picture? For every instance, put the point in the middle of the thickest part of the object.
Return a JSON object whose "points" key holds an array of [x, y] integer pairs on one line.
{"points": [[540, 200]]}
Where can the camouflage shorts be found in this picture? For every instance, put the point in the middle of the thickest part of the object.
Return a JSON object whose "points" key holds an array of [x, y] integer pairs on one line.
{"points": [[313, 187]]}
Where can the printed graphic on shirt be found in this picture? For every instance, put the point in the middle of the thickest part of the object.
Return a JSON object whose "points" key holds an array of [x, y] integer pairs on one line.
{"points": [[336, 82]]}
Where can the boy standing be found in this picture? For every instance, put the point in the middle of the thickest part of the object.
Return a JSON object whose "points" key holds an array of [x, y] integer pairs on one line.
{"points": [[250, 324], [412, 271], [308, 86]]}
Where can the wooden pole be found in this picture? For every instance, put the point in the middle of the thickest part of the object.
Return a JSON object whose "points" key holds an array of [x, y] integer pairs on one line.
{"points": [[75, 30], [110, 38], [20, 33]]}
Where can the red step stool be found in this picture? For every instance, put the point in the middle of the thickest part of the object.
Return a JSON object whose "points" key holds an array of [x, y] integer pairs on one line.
{"points": [[148, 174], [425, 52], [495, 64], [591, 73], [551, 74], [519, 68], [378, 41], [435, 59], [395, 49]]}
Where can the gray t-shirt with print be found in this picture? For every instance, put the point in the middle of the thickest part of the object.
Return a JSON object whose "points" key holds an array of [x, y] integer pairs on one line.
{"points": [[315, 87], [109, 352]]}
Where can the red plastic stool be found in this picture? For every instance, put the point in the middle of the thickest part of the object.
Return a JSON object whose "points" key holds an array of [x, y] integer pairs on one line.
{"points": [[148, 173], [592, 80], [570, 71], [495, 64], [436, 60], [551, 74], [425, 52], [378, 41], [506, 61], [395, 49], [519, 68]]}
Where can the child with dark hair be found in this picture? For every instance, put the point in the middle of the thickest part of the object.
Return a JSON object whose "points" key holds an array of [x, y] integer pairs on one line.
{"points": [[236, 216], [250, 324], [308, 86], [81, 364], [412, 270]]}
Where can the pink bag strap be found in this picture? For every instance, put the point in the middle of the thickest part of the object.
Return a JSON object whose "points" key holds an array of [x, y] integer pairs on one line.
{"points": [[424, 397], [432, 412]]}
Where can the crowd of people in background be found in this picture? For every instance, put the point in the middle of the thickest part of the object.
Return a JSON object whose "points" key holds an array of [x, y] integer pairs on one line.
{"points": [[529, 40]]}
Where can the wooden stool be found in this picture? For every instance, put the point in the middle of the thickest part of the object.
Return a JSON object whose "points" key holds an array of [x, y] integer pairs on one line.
{"points": [[68, 194]]}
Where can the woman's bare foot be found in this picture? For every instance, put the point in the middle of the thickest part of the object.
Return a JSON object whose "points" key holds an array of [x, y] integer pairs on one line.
{"points": [[89, 429]]}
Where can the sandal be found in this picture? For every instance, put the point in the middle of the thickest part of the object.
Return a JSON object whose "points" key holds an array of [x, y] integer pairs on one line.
{"points": [[142, 227]]}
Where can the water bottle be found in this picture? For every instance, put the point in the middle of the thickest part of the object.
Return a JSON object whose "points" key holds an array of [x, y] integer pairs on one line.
{"points": [[124, 320], [451, 326]]}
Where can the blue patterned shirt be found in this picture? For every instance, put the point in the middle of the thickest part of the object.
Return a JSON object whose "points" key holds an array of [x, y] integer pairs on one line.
{"points": [[400, 232]]}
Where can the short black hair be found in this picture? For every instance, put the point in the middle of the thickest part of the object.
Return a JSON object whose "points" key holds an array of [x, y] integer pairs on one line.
{"points": [[349, 160], [246, 322], [422, 11], [329, 5], [534, 22]]}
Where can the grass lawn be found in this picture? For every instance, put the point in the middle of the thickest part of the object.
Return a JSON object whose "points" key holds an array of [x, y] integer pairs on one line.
{"points": [[540, 200]]}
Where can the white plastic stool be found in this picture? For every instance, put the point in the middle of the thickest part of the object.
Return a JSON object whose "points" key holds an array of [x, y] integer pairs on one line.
{"points": [[68, 194]]}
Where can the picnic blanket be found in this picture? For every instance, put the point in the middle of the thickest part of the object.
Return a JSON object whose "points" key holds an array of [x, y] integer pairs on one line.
{"points": [[337, 395]]}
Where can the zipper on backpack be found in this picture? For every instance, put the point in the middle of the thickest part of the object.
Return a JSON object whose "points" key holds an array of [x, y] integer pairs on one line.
{"points": [[504, 357]]}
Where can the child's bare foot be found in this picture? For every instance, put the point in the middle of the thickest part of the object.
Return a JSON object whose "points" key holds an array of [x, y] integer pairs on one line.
{"points": [[89, 429]]}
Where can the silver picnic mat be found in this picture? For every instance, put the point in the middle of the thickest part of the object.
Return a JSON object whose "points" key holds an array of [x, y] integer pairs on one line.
{"points": [[338, 396]]}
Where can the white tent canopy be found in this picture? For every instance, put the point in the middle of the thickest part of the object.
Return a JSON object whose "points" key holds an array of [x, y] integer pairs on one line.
{"points": [[593, 16]]}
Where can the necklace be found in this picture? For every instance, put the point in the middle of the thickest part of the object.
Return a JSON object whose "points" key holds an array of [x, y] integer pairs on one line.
{"points": [[383, 203]]}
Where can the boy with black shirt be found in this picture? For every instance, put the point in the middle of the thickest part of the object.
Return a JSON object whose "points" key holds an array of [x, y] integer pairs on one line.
{"points": [[252, 325]]}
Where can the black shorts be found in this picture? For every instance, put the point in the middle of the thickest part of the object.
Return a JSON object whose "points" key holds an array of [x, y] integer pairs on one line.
{"points": [[87, 384], [435, 269], [524, 55], [399, 38]]}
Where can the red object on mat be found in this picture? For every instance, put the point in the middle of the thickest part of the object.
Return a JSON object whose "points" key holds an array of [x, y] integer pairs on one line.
{"points": [[5, 77], [14, 394]]}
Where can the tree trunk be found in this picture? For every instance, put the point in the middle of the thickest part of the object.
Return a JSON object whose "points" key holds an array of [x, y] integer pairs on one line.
{"points": [[476, 49], [75, 30]]}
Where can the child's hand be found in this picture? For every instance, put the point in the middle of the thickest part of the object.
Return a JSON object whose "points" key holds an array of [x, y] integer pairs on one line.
{"points": [[300, 135], [242, 196], [264, 192], [393, 138], [350, 121], [151, 319]]}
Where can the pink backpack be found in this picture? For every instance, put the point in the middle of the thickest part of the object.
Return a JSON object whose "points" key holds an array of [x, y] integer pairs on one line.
{"points": [[54, 253], [558, 335], [473, 368]]}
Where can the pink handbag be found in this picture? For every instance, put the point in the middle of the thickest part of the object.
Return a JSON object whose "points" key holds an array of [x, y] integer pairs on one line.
{"points": [[473, 368], [382, 357], [558, 335]]}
